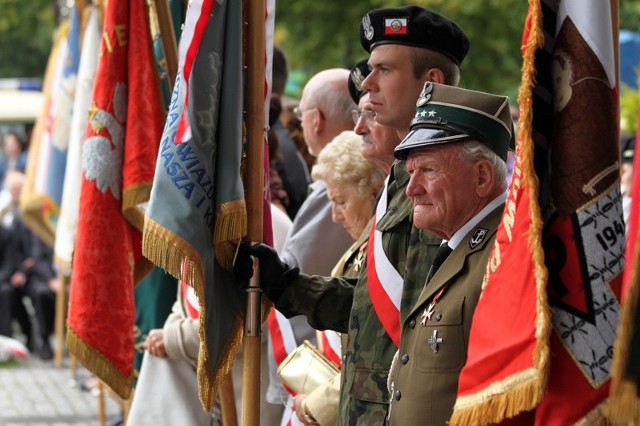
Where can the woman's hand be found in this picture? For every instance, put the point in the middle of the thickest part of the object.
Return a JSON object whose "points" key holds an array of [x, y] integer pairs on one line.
{"points": [[154, 344]]}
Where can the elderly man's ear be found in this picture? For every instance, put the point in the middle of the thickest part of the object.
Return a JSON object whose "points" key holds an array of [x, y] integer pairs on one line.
{"points": [[485, 178]]}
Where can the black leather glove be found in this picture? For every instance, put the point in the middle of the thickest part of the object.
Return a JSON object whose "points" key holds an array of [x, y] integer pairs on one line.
{"points": [[243, 265], [274, 273]]}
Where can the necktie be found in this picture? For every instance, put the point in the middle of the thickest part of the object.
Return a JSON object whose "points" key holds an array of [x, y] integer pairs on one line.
{"points": [[441, 254]]}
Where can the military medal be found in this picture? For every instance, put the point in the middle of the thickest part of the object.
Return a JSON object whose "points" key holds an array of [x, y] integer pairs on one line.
{"points": [[358, 263], [434, 341], [426, 315], [428, 312]]}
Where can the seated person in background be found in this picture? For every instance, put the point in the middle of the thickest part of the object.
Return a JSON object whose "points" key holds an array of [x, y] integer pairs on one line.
{"points": [[15, 155], [30, 264], [353, 183]]}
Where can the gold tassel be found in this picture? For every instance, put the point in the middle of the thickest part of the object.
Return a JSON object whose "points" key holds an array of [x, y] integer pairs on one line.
{"points": [[230, 227], [97, 363], [166, 249]]}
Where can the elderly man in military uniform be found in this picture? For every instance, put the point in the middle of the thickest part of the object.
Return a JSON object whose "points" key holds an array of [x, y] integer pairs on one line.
{"points": [[409, 46], [456, 155]]}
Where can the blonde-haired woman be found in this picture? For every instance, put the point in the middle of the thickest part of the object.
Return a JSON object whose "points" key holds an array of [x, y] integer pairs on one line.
{"points": [[353, 182]]}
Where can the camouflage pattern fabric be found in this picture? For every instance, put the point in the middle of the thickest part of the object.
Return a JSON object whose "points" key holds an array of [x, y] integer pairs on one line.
{"points": [[364, 398]]}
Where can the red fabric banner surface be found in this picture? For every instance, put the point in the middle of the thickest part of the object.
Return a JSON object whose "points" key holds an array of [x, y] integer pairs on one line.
{"points": [[118, 162]]}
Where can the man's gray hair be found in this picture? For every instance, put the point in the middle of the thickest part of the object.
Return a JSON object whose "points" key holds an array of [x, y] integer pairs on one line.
{"points": [[474, 151]]}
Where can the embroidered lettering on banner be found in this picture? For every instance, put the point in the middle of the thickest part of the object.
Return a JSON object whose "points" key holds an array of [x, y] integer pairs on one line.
{"points": [[585, 257], [183, 166]]}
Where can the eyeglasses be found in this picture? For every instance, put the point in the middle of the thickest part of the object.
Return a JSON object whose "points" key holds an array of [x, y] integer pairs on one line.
{"points": [[367, 115], [299, 112]]}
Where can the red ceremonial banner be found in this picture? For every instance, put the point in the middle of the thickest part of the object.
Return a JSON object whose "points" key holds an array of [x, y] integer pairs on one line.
{"points": [[118, 162], [542, 334]]}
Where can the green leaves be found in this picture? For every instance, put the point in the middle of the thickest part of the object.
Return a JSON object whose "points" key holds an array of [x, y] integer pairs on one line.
{"points": [[26, 31]]}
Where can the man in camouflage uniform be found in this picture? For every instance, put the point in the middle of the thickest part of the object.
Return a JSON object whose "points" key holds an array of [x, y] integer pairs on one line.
{"points": [[408, 46]]}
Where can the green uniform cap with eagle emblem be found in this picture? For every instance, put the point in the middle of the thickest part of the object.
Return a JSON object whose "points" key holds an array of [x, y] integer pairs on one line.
{"points": [[414, 26], [447, 114]]}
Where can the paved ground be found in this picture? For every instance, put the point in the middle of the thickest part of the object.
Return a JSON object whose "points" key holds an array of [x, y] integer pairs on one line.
{"points": [[40, 394]]}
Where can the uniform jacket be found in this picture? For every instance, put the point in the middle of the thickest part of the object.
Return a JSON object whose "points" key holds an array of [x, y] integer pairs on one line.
{"points": [[433, 351], [323, 401], [344, 305]]}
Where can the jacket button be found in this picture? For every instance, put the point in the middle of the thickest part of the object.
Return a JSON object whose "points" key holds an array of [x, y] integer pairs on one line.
{"points": [[438, 317], [397, 395], [405, 358], [412, 323]]}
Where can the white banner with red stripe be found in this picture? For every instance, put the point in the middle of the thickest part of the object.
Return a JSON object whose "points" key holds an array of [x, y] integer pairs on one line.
{"points": [[193, 29]]}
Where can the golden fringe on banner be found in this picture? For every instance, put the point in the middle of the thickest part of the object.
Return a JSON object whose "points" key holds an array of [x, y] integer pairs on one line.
{"points": [[231, 226], [133, 199], [624, 403], [167, 250], [97, 363], [523, 391]]}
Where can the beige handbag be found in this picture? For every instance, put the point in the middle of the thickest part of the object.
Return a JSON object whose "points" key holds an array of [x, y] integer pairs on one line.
{"points": [[306, 368]]}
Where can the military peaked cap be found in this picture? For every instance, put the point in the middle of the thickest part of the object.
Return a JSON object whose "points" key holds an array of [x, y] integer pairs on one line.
{"points": [[447, 114]]}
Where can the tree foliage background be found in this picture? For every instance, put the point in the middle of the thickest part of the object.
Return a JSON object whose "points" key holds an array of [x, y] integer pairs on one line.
{"points": [[323, 34], [26, 31], [318, 35]]}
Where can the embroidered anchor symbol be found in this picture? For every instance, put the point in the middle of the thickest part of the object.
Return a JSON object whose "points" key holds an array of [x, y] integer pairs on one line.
{"points": [[434, 341]]}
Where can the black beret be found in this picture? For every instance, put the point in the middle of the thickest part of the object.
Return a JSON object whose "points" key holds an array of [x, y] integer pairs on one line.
{"points": [[448, 114], [627, 148], [414, 26], [359, 72]]}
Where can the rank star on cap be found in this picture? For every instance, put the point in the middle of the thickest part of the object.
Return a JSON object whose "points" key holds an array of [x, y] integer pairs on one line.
{"points": [[395, 26]]}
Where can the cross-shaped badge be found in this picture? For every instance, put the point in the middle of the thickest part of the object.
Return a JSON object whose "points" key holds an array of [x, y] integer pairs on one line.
{"points": [[426, 315], [434, 341]]}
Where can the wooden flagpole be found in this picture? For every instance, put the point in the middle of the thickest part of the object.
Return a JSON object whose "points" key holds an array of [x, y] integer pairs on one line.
{"points": [[254, 12], [168, 35]]}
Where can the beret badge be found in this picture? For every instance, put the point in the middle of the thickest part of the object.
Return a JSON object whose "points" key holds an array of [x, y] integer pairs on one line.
{"points": [[367, 27], [357, 78]]}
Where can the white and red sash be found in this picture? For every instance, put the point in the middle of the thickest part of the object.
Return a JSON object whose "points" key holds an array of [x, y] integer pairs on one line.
{"points": [[331, 346], [384, 281], [190, 301], [283, 342]]}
